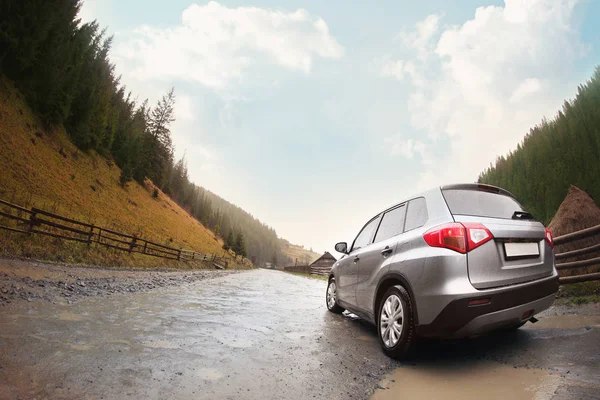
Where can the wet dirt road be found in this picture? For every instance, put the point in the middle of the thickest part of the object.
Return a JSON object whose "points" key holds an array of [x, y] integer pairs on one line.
{"points": [[267, 335]]}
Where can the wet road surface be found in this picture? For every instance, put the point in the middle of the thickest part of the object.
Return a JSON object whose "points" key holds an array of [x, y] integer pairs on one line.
{"points": [[267, 335]]}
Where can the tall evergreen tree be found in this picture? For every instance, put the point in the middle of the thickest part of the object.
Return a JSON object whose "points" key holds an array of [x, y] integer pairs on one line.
{"points": [[229, 241], [240, 247]]}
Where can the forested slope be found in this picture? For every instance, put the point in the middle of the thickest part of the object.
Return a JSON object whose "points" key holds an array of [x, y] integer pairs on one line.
{"points": [[555, 154], [62, 68]]}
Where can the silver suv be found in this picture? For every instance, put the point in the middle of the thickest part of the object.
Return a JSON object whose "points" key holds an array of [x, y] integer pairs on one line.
{"points": [[455, 261]]}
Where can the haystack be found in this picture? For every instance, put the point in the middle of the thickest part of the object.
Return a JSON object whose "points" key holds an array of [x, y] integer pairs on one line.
{"points": [[577, 211]]}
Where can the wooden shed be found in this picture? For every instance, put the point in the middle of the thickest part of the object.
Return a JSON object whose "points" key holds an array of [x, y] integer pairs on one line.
{"points": [[323, 264]]}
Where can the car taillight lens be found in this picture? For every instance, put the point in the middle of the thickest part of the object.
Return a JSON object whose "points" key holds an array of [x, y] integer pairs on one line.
{"points": [[461, 237], [549, 238]]}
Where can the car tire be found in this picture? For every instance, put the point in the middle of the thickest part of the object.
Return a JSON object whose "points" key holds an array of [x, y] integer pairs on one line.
{"points": [[397, 339], [331, 298]]}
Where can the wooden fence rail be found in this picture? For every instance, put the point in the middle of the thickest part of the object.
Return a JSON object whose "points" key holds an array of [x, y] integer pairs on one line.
{"points": [[570, 237], [582, 234], [37, 221]]}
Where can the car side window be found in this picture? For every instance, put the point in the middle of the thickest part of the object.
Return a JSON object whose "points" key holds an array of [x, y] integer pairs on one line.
{"points": [[416, 215], [364, 237], [392, 223]]}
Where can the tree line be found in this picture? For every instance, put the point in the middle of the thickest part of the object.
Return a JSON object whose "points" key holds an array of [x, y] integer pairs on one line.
{"points": [[555, 154], [62, 68]]}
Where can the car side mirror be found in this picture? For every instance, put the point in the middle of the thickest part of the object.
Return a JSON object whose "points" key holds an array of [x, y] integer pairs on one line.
{"points": [[342, 247]]}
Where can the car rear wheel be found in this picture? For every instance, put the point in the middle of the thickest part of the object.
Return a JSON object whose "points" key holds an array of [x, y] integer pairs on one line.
{"points": [[395, 325], [331, 298]]}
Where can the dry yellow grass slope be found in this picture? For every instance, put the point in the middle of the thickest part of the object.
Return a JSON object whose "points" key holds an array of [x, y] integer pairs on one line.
{"points": [[42, 168], [297, 252]]}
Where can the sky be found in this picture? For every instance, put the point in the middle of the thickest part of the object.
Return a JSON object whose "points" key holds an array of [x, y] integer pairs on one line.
{"points": [[314, 116]]}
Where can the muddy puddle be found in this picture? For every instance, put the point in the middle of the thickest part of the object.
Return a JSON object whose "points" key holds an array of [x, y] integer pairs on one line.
{"points": [[566, 322], [450, 381]]}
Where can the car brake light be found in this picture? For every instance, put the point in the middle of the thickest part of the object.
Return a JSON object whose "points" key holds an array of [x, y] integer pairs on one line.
{"points": [[549, 238], [460, 237], [477, 234]]}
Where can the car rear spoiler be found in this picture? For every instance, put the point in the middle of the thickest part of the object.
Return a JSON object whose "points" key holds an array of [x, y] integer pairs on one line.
{"points": [[478, 186]]}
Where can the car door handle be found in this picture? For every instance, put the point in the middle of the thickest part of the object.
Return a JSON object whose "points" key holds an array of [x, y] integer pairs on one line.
{"points": [[387, 251], [356, 259]]}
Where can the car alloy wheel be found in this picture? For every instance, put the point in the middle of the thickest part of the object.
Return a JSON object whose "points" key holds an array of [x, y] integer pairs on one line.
{"points": [[391, 320], [331, 295], [331, 298]]}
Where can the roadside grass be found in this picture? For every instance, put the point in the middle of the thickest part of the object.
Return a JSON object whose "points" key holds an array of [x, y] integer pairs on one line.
{"points": [[577, 300], [579, 293], [41, 168], [317, 277]]}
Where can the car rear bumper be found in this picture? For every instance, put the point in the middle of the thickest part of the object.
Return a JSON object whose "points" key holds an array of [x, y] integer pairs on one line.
{"points": [[506, 308], [504, 318]]}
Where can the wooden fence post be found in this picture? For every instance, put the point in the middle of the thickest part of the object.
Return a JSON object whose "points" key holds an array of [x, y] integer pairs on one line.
{"points": [[132, 244], [99, 235], [179, 255], [145, 245], [90, 235], [32, 221]]}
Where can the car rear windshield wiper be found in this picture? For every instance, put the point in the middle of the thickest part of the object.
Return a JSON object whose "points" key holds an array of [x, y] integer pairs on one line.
{"points": [[522, 215]]}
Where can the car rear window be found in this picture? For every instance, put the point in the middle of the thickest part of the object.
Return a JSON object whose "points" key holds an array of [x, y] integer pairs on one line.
{"points": [[480, 203]]}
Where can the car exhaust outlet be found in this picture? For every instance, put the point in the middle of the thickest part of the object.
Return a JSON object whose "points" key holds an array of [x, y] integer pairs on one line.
{"points": [[533, 320], [526, 315]]}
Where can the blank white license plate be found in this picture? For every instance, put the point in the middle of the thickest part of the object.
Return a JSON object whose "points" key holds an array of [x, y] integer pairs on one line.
{"points": [[530, 249]]}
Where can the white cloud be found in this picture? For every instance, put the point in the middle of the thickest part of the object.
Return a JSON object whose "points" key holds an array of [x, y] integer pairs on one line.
{"points": [[400, 69], [487, 81], [184, 108], [88, 11], [408, 148], [529, 86], [420, 39], [393, 68], [215, 45]]}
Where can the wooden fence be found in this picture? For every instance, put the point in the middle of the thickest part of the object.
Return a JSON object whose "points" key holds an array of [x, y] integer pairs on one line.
{"points": [[322, 270], [563, 265], [301, 269], [37, 221]]}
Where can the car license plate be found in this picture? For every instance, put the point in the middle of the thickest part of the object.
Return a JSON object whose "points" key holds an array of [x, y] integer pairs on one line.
{"points": [[515, 250]]}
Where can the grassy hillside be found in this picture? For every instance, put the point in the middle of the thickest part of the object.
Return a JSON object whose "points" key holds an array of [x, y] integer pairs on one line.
{"points": [[42, 168], [297, 252]]}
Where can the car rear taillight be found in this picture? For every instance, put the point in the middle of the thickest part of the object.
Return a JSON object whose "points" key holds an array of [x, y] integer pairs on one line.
{"points": [[461, 237], [549, 238]]}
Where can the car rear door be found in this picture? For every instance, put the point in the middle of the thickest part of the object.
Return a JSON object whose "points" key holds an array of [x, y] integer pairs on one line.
{"points": [[377, 254], [348, 266], [519, 251]]}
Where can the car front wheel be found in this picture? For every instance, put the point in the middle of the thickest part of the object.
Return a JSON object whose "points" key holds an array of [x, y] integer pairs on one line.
{"points": [[331, 298], [395, 325]]}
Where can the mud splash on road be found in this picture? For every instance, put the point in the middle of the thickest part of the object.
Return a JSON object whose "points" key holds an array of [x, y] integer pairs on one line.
{"points": [[568, 322], [459, 381]]}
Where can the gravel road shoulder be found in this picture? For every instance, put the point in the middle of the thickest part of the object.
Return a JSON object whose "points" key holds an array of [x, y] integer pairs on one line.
{"points": [[26, 280]]}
